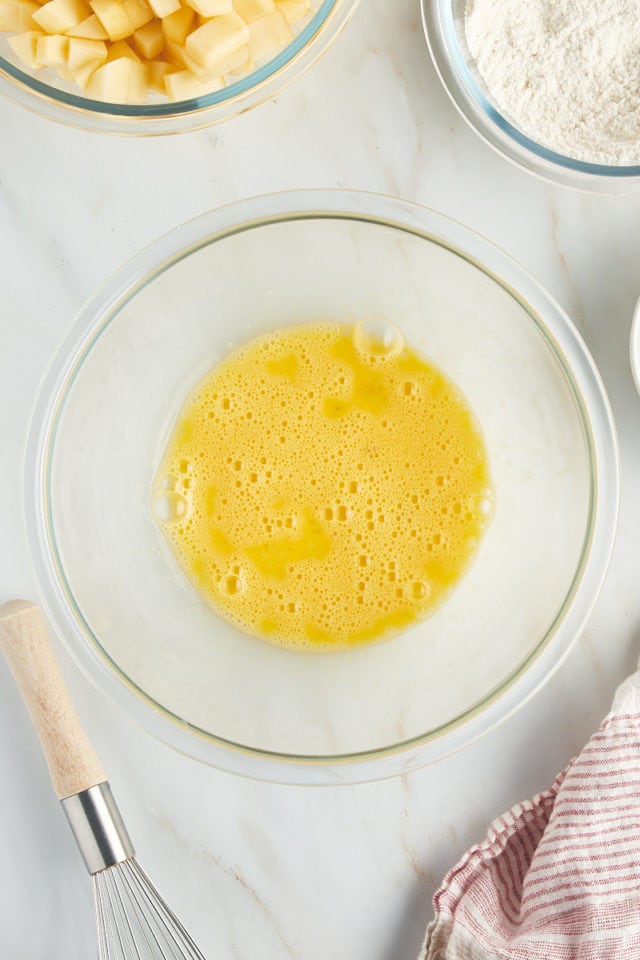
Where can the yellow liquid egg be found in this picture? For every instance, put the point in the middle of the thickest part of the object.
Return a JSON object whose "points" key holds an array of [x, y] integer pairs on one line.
{"points": [[324, 485]]}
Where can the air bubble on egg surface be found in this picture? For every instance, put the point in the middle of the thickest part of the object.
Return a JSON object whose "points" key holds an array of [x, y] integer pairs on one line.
{"points": [[419, 590], [482, 504], [376, 338], [170, 507], [487, 502], [232, 584]]}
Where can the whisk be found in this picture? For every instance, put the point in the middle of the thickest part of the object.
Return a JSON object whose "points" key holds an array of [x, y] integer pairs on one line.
{"points": [[133, 921]]}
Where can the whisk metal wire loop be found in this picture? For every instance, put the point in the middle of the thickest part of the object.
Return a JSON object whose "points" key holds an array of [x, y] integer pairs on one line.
{"points": [[133, 921]]}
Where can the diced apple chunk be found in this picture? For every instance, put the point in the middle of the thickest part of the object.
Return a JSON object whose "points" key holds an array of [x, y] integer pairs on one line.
{"points": [[293, 10], [122, 49], [247, 67], [16, 16], [184, 86], [119, 81], [89, 29], [251, 10], [174, 53], [82, 75], [217, 39], [24, 45], [157, 70], [238, 60], [177, 26], [162, 8], [211, 8], [179, 56], [113, 17], [82, 51], [58, 16], [149, 40], [268, 37], [139, 13], [52, 50]]}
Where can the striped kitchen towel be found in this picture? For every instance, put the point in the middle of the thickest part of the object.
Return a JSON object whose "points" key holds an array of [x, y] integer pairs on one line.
{"points": [[557, 877]]}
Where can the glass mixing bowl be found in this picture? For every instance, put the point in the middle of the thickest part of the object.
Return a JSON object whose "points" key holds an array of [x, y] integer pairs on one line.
{"points": [[46, 93], [117, 598], [443, 22]]}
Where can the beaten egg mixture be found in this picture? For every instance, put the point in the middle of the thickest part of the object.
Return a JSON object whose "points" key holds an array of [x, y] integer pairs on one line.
{"points": [[324, 485]]}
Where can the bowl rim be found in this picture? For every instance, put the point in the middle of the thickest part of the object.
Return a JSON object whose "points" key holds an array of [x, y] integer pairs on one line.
{"points": [[634, 346], [73, 109], [598, 429], [496, 131]]}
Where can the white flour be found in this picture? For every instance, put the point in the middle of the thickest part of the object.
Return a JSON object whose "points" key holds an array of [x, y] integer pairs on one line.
{"points": [[565, 72]]}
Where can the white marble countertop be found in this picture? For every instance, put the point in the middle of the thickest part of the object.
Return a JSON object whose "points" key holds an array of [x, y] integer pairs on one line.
{"points": [[258, 870]]}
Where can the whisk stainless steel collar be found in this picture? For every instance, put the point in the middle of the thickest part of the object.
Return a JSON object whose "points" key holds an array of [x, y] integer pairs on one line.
{"points": [[133, 921], [99, 829]]}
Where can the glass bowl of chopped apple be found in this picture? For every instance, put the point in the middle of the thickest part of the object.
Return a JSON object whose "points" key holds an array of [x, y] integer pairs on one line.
{"points": [[320, 487], [158, 66]]}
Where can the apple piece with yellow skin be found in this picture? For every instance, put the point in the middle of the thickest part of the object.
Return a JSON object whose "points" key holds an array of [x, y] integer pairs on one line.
{"points": [[268, 37], [139, 13], [211, 8], [217, 39], [16, 16], [149, 40], [251, 10], [82, 75], [24, 45], [122, 49], [119, 81], [113, 17], [58, 16], [293, 10], [162, 8], [177, 26], [184, 86], [89, 29], [82, 51], [52, 50], [157, 70]]}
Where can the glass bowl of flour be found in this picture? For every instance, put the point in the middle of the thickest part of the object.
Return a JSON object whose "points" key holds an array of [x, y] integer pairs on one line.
{"points": [[551, 84]]}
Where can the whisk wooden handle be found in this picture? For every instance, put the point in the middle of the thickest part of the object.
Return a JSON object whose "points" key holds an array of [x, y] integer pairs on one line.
{"points": [[73, 764]]}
